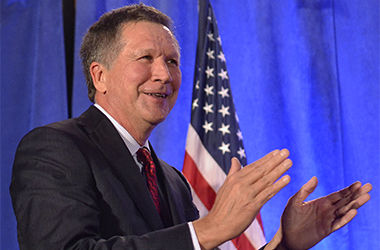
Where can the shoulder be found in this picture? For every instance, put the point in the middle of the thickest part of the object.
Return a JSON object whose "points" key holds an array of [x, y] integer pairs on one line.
{"points": [[61, 149], [174, 173], [49, 149], [61, 136], [70, 131]]}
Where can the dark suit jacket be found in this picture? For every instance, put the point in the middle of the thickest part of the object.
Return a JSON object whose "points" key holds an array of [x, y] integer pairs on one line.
{"points": [[76, 186]]}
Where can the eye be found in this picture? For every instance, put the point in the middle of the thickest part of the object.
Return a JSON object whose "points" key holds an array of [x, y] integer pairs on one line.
{"points": [[173, 62], [146, 57]]}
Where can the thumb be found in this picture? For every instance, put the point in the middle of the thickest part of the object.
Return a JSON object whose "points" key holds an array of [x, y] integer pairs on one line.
{"points": [[235, 166], [305, 190]]}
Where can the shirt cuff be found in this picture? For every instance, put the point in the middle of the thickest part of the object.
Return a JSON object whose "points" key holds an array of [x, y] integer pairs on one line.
{"points": [[194, 237]]}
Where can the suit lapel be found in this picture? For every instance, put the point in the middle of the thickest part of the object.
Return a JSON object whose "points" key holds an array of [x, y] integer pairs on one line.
{"points": [[175, 206], [107, 139]]}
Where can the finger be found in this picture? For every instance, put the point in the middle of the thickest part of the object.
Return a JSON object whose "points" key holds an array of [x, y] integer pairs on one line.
{"points": [[259, 171], [367, 187], [269, 178], [271, 191], [305, 190], [363, 190], [344, 220], [253, 173], [235, 166], [355, 204], [349, 197], [264, 159], [353, 200], [337, 197], [275, 155], [275, 160]]}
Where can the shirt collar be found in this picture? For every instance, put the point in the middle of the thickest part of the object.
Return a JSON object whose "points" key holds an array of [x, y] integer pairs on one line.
{"points": [[128, 139]]}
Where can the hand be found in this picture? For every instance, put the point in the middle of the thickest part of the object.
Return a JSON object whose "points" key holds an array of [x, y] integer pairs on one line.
{"points": [[304, 224], [241, 197]]}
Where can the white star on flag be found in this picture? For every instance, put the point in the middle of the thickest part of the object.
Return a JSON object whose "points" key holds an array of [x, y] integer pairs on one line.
{"points": [[211, 37], [210, 54], [223, 74], [224, 110], [225, 129], [195, 103], [241, 152], [209, 90], [221, 56], [207, 126], [208, 108], [223, 92], [219, 40], [224, 148], [239, 135], [209, 72], [214, 125]]}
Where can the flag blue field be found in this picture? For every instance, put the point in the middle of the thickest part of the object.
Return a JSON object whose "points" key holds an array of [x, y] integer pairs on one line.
{"points": [[214, 136], [304, 75]]}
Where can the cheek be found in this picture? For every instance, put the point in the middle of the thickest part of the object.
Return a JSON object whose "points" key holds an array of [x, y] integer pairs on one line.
{"points": [[134, 77], [176, 86], [135, 73], [139, 71], [176, 80]]}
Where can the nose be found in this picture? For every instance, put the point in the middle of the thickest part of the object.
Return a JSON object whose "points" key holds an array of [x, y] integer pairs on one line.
{"points": [[161, 72]]}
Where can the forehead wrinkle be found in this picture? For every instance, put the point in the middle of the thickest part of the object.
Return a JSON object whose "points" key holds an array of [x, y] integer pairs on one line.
{"points": [[151, 44]]}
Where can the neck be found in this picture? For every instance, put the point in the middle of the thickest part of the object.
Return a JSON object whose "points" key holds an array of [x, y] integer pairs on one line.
{"points": [[140, 131], [140, 134]]}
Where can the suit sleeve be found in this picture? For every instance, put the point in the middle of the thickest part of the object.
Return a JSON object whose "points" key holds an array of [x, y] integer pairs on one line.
{"points": [[56, 200]]}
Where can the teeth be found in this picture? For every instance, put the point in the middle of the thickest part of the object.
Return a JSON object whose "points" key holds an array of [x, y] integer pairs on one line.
{"points": [[158, 95]]}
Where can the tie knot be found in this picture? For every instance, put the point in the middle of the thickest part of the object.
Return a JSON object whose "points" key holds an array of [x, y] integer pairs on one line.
{"points": [[144, 157]]}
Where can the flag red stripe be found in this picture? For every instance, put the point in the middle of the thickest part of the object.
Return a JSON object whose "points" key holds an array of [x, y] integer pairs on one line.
{"points": [[258, 218], [207, 195], [243, 243]]}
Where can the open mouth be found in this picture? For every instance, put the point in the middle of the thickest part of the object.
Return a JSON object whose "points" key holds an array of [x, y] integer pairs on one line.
{"points": [[159, 95]]}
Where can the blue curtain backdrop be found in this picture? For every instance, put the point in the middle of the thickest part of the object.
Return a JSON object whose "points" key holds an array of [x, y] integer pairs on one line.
{"points": [[304, 75], [33, 85]]}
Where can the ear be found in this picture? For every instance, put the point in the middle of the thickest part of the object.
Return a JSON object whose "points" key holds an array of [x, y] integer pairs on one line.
{"points": [[98, 75]]}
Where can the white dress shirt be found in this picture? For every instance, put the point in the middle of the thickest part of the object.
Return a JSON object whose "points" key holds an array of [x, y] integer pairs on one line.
{"points": [[133, 146]]}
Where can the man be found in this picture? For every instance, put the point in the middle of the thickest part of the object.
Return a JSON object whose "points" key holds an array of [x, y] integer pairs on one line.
{"points": [[94, 182]]}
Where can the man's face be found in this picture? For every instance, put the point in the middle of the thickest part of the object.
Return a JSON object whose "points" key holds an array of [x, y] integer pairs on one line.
{"points": [[143, 81]]}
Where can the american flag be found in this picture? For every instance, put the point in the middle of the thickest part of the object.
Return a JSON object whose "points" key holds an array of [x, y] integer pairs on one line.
{"points": [[214, 136]]}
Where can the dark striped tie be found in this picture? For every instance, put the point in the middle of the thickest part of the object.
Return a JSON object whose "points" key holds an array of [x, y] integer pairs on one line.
{"points": [[144, 157]]}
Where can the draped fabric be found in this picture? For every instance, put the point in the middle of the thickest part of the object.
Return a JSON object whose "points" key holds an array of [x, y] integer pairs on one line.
{"points": [[214, 135], [304, 74], [33, 85]]}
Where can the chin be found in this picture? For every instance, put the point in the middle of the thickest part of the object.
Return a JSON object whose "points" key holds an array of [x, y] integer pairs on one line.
{"points": [[156, 119], [156, 116]]}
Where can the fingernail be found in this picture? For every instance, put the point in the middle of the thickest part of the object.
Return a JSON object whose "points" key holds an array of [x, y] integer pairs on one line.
{"points": [[286, 178]]}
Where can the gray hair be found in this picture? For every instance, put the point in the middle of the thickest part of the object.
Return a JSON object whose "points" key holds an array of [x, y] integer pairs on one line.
{"points": [[101, 42]]}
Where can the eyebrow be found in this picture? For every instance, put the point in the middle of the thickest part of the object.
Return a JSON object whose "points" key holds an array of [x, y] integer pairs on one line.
{"points": [[140, 52]]}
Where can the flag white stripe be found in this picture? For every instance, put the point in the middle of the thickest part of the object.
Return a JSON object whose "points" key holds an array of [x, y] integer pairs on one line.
{"points": [[199, 204], [206, 164], [212, 173], [202, 212], [255, 235]]}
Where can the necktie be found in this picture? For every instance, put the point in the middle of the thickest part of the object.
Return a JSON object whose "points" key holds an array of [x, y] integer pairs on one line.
{"points": [[144, 157]]}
